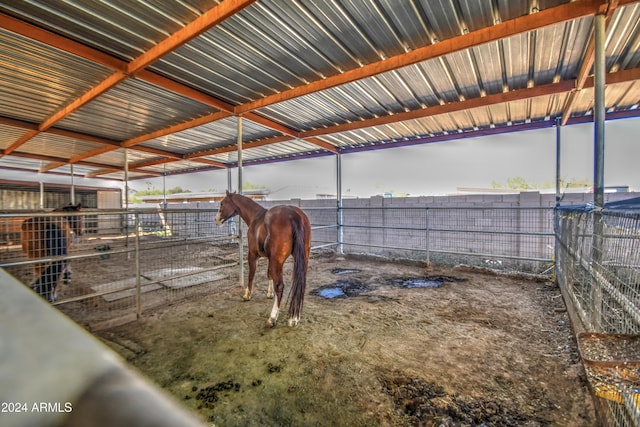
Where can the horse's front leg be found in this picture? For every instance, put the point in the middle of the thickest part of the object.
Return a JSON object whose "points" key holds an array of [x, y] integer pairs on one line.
{"points": [[252, 261], [66, 274]]}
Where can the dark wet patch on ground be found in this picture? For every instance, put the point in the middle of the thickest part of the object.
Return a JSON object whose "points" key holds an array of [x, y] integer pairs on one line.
{"points": [[355, 287], [341, 289], [341, 271], [426, 282]]}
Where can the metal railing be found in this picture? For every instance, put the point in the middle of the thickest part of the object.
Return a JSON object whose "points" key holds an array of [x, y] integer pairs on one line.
{"points": [[127, 261], [598, 270], [519, 238]]}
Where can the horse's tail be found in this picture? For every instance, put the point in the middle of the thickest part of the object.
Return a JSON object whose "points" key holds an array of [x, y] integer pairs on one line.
{"points": [[55, 242], [301, 230]]}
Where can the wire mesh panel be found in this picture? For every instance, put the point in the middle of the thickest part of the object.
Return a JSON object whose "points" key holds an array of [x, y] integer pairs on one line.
{"points": [[514, 238], [600, 274], [127, 261], [598, 270], [324, 227]]}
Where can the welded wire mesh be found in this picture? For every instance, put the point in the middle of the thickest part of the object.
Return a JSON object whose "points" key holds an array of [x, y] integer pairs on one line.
{"points": [[504, 237], [127, 261], [598, 270]]}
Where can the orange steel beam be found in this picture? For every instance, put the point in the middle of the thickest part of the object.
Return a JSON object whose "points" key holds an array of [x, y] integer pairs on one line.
{"points": [[323, 144], [175, 128], [201, 24], [498, 98], [51, 39], [108, 170], [245, 145], [51, 166], [56, 159], [550, 89], [24, 138], [193, 29], [564, 12], [547, 17], [211, 163], [116, 64], [181, 89], [85, 98]]}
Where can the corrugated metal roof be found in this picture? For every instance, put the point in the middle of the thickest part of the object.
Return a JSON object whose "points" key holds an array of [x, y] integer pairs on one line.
{"points": [[308, 78]]}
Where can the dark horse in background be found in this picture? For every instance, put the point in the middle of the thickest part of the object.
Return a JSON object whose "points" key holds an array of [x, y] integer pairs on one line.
{"points": [[275, 234], [45, 237]]}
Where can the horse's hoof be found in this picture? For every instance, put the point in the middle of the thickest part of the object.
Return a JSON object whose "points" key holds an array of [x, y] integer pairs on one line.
{"points": [[270, 323], [246, 298], [293, 321]]}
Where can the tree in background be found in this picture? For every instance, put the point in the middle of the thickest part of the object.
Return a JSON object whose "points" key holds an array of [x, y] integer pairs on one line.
{"points": [[519, 183], [152, 191]]}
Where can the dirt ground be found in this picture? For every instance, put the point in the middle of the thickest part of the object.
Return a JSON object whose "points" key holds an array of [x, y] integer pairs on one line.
{"points": [[481, 349]]}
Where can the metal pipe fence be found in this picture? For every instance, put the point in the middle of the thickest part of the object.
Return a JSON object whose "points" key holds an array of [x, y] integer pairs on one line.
{"points": [[126, 262], [514, 238], [598, 270]]}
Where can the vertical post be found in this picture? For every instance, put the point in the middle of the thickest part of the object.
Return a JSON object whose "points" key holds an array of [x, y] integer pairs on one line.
{"points": [[41, 195], [339, 201], [73, 188], [598, 172], [126, 202], [164, 186], [427, 243], [126, 178], [599, 112], [556, 243], [240, 242], [137, 263], [558, 146]]}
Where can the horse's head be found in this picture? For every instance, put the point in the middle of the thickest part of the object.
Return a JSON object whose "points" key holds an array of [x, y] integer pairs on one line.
{"points": [[75, 221], [228, 209]]}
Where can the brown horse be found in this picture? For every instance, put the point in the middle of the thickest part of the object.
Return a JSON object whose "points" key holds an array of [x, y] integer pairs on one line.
{"points": [[275, 233], [44, 237]]}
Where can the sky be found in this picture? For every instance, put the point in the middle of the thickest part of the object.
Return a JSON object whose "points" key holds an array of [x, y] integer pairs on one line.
{"points": [[440, 168], [431, 169]]}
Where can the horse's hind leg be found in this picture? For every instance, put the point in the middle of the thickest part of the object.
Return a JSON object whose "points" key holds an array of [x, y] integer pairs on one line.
{"points": [[275, 277]]}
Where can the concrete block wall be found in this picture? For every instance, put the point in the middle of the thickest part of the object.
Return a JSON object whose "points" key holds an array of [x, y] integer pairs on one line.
{"points": [[487, 225], [508, 225]]}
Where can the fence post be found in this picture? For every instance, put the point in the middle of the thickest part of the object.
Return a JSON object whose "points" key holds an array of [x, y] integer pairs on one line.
{"points": [[137, 256], [426, 214], [340, 228], [598, 179]]}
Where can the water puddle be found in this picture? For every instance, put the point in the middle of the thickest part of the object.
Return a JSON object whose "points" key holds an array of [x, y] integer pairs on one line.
{"points": [[343, 289], [341, 271], [331, 293], [354, 287], [421, 283], [428, 282]]}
